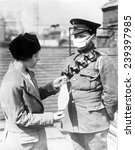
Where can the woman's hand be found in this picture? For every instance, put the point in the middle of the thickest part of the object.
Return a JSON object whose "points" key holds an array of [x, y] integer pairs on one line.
{"points": [[57, 83], [58, 115]]}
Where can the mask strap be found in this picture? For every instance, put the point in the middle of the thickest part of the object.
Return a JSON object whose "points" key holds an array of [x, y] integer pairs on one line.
{"points": [[91, 37]]}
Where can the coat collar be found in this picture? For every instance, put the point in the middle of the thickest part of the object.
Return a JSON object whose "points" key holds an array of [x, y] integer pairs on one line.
{"points": [[24, 83]]}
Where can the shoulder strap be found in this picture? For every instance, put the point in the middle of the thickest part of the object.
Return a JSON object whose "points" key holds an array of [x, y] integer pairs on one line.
{"points": [[98, 63]]}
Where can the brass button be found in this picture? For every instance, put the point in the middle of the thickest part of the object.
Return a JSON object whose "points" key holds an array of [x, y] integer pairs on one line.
{"points": [[73, 101], [73, 90]]}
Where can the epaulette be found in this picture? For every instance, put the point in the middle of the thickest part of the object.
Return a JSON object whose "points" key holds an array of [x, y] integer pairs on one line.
{"points": [[103, 53]]}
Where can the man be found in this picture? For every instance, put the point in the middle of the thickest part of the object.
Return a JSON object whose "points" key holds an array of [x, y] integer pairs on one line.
{"points": [[92, 90]]}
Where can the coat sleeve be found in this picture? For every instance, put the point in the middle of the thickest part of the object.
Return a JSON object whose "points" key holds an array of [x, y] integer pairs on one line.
{"points": [[16, 110], [109, 80], [47, 90]]}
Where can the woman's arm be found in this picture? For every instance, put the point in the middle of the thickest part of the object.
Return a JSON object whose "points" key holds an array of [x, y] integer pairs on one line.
{"points": [[52, 87]]}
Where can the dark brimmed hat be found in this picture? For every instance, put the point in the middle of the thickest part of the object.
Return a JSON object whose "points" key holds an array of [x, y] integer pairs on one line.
{"points": [[81, 25], [24, 46]]}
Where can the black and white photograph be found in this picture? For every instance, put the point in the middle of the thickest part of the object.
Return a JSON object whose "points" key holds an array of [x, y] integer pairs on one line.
{"points": [[66, 79]]}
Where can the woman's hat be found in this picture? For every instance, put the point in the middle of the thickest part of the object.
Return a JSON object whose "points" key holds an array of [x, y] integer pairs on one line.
{"points": [[24, 46]]}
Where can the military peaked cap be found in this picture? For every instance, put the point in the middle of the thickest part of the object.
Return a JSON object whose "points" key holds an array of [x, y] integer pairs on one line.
{"points": [[81, 25]]}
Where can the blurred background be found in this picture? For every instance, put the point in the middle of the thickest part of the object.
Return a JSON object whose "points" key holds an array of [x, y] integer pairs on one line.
{"points": [[49, 19]]}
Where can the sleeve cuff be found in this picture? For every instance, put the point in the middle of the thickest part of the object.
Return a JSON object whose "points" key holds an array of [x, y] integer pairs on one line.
{"points": [[51, 88], [48, 119]]}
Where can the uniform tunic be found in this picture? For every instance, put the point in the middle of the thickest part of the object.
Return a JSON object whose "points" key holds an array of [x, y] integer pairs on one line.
{"points": [[93, 96]]}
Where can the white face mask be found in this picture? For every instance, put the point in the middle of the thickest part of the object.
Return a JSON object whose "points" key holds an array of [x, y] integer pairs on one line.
{"points": [[82, 42]]}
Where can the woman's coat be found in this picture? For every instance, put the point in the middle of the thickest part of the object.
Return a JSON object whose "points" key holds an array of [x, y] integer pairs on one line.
{"points": [[25, 118]]}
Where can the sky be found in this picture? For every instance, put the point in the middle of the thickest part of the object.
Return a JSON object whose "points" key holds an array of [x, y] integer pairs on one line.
{"points": [[49, 12], [64, 10]]}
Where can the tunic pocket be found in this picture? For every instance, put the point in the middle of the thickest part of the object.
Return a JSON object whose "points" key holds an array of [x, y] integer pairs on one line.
{"points": [[93, 74], [95, 107]]}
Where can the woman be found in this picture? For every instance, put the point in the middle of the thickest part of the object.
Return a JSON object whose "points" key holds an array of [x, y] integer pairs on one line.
{"points": [[20, 98]]}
